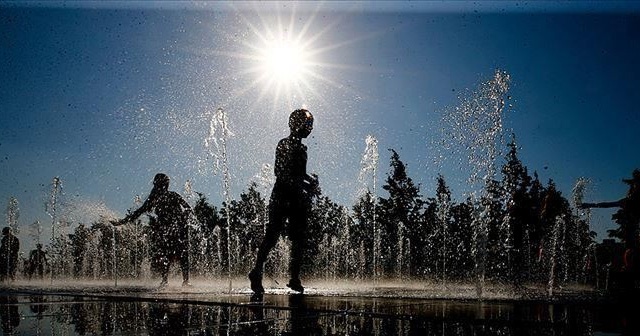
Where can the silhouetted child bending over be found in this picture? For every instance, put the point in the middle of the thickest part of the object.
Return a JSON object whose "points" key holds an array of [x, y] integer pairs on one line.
{"points": [[169, 231], [290, 201]]}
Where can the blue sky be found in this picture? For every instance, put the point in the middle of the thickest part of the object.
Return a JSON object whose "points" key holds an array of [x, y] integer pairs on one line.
{"points": [[106, 94]]}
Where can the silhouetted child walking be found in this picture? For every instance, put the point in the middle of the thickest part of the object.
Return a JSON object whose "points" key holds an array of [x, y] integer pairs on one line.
{"points": [[290, 201]]}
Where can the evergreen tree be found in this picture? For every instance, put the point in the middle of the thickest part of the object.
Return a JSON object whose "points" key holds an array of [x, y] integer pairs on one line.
{"points": [[210, 256], [520, 211], [129, 252], [104, 250], [431, 254], [248, 220], [323, 248], [578, 243], [79, 240], [363, 234], [59, 256], [497, 234], [555, 219], [400, 217], [628, 215], [461, 262], [442, 242], [536, 228]]}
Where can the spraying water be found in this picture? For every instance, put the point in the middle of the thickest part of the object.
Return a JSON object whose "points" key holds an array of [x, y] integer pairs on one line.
{"points": [[13, 213], [35, 231], [52, 210], [369, 166], [137, 201], [188, 190], [216, 145], [188, 194], [442, 213], [474, 128], [557, 230], [115, 259], [578, 194], [265, 180]]}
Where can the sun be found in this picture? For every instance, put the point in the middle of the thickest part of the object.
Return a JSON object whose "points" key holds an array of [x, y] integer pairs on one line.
{"points": [[285, 55], [282, 59], [284, 65], [284, 62]]}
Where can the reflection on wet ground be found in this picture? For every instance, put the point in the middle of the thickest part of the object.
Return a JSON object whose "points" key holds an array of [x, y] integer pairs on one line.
{"points": [[31, 313]]}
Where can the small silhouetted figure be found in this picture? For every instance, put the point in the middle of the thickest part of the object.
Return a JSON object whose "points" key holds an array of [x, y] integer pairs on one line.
{"points": [[628, 217], [37, 262], [290, 201], [9, 248], [169, 232]]}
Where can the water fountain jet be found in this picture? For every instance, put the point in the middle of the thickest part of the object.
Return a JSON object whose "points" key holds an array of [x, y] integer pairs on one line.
{"points": [[218, 135], [476, 126], [369, 165]]}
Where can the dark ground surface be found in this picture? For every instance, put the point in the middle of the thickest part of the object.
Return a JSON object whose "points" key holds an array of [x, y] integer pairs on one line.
{"points": [[208, 308]]}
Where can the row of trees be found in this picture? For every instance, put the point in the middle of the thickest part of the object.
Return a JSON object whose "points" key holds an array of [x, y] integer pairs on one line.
{"points": [[519, 230]]}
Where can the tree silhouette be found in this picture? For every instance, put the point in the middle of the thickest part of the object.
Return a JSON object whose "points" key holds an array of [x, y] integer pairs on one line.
{"points": [[362, 235], [248, 220], [322, 249], [461, 241], [210, 221], [400, 217], [79, 240], [520, 211]]}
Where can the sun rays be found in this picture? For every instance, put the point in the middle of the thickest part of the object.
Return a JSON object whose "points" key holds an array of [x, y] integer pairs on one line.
{"points": [[283, 58]]}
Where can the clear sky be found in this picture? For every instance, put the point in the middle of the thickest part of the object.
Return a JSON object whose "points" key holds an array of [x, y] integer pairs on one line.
{"points": [[106, 94]]}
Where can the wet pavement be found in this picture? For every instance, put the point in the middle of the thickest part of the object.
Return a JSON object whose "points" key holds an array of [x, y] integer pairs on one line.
{"points": [[132, 309]]}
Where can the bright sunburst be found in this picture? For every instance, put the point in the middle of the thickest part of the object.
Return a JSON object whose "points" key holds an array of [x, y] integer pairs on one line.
{"points": [[284, 62], [285, 54], [283, 59]]}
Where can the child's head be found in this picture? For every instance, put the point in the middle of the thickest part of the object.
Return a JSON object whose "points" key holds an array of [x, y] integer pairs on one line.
{"points": [[161, 181], [301, 123]]}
